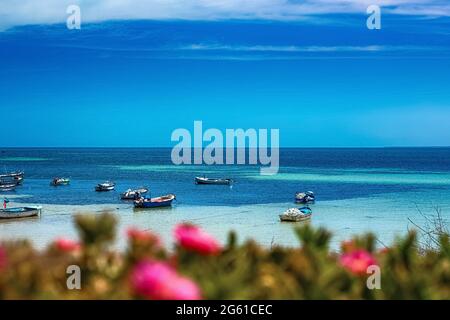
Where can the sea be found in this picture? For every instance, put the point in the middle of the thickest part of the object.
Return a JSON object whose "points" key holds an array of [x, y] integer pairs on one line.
{"points": [[385, 191]]}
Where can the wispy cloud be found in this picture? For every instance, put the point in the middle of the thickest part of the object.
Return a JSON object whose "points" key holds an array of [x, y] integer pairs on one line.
{"points": [[14, 13], [216, 51], [287, 49], [256, 48]]}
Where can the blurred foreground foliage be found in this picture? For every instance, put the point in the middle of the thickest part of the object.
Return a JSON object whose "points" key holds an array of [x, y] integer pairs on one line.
{"points": [[238, 271]]}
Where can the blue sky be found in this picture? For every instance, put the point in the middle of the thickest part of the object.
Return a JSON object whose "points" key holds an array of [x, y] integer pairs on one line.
{"points": [[132, 75]]}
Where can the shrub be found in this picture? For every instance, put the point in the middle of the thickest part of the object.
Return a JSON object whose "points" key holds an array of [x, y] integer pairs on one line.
{"points": [[199, 267]]}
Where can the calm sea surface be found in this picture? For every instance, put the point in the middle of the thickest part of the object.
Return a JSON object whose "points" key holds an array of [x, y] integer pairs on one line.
{"points": [[357, 190]]}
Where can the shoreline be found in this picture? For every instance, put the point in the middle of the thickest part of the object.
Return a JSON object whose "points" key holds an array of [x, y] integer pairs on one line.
{"points": [[258, 222]]}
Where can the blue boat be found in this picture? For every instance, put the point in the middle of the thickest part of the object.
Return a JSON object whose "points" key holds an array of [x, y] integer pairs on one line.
{"points": [[163, 201]]}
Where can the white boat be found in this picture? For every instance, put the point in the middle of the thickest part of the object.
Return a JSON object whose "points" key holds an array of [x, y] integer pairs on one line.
{"points": [[133, 194], [15, 177], [296, 215], [105, 186], [60, 182], [20, 212]]}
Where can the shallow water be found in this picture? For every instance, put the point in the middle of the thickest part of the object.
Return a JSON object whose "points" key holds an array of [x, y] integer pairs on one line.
{"points": [[358, 190]]}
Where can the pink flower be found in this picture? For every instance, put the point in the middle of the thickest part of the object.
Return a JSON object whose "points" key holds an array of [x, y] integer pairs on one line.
{"points": [[193, 238], [159, 281], [67, 245], [135, 234], [3, 258], [357, 261]]}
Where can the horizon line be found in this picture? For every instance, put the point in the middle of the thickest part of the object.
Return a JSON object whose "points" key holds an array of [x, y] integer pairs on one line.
{"points": [[171, 147]]}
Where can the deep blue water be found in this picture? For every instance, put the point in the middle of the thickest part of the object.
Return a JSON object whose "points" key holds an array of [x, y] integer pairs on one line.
{"points": [[332, 173]]}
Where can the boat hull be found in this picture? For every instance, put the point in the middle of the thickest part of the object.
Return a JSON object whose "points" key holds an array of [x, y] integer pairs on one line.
{"points": [[21, 212], [104, 189], [164, 201], [155, 204], [289, 218], [304, 201], [213, 181]]}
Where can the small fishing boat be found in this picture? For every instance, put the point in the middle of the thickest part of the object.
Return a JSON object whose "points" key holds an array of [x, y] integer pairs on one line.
{"points": [[163, 201], [7, 186], [60, 182], [133, 194], [105, 186], [204, 180], [20, 212], [305, 197], [295, 215], [16, 177]]}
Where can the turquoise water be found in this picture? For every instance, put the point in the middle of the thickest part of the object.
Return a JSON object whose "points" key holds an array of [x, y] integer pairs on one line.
{"points": [[358, 190], [386, 215]]}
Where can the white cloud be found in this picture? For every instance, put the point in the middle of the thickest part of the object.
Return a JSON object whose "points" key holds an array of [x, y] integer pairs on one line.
{"points": [[23, 12]]}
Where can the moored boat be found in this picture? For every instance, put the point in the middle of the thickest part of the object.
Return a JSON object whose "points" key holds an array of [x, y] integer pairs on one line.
{"points": [[60, 182], [204, 180], [105, 186], [305, 197], [20, 212], [296, 215], [133, 194], [16, 177], [163, 201]]}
